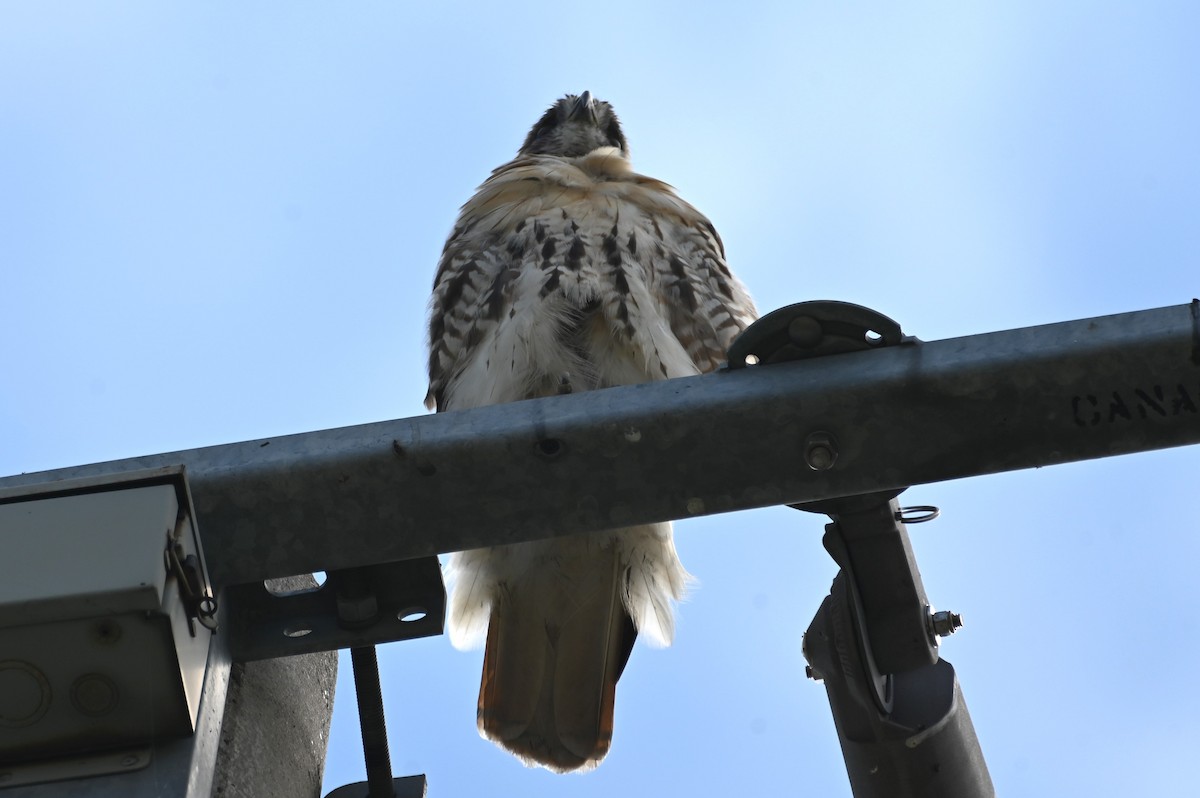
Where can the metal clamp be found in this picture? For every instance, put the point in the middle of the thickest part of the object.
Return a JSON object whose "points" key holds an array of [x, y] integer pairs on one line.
{"points": [[814, 329], [197, 598], [901, 719]]}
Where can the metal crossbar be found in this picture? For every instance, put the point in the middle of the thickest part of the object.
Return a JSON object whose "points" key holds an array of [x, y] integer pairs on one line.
{"points": [[901, 415]]}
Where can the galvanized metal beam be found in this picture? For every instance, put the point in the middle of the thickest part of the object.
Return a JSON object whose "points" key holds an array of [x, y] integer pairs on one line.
{"points": [[782, 434]]}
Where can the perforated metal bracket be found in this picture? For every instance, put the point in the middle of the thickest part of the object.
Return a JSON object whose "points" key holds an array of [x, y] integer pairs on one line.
{"points": [[363, 606], [814, 329]]}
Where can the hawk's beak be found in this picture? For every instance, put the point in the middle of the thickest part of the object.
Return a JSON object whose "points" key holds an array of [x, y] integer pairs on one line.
{"points": [[584, 108]]}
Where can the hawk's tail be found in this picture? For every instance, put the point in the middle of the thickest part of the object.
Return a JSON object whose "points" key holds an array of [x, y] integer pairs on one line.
{"points": [[556, 645]]}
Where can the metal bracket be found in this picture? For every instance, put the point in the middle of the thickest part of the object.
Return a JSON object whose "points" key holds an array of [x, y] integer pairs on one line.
{"points": [[192, 583], [870, 543], [403, 786], [814, 329], [77, 766], [898, 708], [884, 597], [357, 607], [866, 537]]}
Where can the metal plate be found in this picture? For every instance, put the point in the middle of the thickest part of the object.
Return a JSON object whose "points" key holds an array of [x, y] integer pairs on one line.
{"points": [[404, 787], [392, 601], [813, 329], [75, 767]]}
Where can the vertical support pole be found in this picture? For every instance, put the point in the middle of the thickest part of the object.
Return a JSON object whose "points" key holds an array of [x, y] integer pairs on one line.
{"points": [[276, 727]]}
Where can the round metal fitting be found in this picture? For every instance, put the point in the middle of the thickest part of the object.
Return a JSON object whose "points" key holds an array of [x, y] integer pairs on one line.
{"points": [[820, 451], [94, 694], [945, 623], [24, 694]]}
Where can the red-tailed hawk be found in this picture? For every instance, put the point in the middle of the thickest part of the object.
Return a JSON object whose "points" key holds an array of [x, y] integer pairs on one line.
{"points": [[568, 271]]}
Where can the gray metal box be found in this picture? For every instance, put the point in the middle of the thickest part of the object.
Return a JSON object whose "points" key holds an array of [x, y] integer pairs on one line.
{"points": [[96, 647]]}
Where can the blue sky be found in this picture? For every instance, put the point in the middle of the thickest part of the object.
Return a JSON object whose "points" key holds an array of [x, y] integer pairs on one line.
{"points": [[220, 222]]}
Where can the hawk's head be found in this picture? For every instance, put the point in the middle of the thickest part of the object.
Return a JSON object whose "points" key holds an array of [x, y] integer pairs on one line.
{"points": [[574, 126]]}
